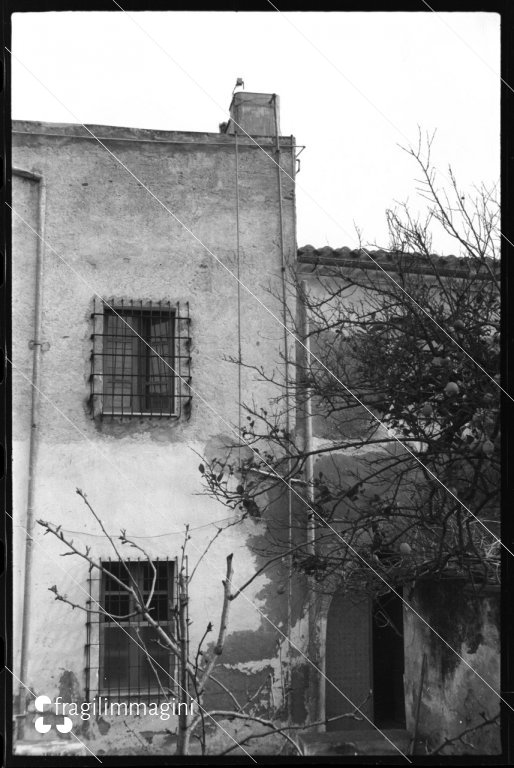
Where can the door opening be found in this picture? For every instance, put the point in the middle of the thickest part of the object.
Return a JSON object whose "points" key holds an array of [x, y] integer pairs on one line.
{"points": [[388, 662], [348, 662], [365, 661]]}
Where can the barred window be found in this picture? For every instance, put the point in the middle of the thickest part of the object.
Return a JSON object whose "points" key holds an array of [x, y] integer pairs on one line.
{"points": [[140, 361], [124, 667]]}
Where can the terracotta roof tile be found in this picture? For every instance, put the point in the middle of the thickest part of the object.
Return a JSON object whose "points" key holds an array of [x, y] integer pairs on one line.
{"points": [[376, 259]]}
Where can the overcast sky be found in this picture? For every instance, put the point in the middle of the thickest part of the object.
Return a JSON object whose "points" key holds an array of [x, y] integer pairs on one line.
{"points": [[352, 87]]}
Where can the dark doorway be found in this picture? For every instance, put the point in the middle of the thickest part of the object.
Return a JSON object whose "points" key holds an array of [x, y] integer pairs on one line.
{"points": [[348, 661], [388, 662], [365, 661]]}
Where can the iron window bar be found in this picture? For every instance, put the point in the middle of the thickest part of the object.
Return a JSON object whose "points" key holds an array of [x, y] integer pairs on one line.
{"points": [[141, 358], [116, 665]]}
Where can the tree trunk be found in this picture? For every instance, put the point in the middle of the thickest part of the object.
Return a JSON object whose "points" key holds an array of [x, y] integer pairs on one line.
{"points": [[183, 718]]}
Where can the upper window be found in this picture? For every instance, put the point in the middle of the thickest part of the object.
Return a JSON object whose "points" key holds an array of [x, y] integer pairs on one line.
{"points": [[140, 359], [139, 362]]}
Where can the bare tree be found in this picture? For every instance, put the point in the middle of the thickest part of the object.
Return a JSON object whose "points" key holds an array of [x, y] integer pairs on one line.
{"points": [[194, 671], [398, 362], [396, 374]]}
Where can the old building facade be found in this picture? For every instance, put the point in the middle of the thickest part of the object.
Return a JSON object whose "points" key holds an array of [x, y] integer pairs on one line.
{"points": [[146, 264], [421, 655], [127, 308]]}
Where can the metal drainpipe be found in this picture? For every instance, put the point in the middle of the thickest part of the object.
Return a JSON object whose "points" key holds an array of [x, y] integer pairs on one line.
{"points": [[34, 434], [315, 635], [309, 461], [286, 376]]}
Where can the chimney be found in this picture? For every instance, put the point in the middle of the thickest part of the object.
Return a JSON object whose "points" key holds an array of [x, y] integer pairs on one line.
{"points": [[256, 113]]}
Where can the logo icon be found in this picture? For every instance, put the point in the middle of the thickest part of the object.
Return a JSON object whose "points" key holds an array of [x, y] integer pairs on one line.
{"points": [[41, 726]]}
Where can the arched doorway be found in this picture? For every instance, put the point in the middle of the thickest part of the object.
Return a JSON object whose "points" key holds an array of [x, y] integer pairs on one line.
{"points": [[364, 660]]}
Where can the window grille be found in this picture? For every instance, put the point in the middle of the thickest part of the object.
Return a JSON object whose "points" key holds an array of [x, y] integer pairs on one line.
{"points": [[122, 667], [140, 359]]}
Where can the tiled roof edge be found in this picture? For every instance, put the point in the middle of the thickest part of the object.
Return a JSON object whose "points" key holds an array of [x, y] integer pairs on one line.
{"points": [[361, 258]]}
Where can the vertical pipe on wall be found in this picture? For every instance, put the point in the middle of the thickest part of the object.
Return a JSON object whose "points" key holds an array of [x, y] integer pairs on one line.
{"points": [[238, 243], [316, 643], [34, 436], [307, 409], [286, 375]]}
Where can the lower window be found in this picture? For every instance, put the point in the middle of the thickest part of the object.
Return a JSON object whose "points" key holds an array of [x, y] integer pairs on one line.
{"points": [[125, 668]]}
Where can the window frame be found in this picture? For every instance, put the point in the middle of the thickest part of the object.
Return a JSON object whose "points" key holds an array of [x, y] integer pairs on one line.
{"points": [[140, 690], [143, 342], [179, 359]]}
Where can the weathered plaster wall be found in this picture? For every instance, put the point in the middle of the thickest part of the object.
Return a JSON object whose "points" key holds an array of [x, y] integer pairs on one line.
{"points": [[142, 475], [453, 696], [22, 333]]}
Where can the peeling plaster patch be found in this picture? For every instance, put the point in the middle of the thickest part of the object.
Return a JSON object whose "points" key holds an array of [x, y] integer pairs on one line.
{"points": [[254, 673], [69, 688], [300, 628], [450, 696], [103, 726], [258, 686], [218, 447], [319, 443], [250, 667], [456, 617], [50, 748], [243, 646]]}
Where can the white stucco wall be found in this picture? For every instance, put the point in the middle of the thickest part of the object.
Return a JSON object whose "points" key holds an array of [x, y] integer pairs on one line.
{"points": [[141, 475]]}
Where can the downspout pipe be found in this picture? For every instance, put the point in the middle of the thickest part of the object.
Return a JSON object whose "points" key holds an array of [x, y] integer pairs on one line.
{"points": [[286, 374], [34, 438], [307, 411], [283, 262], [316, 640]]}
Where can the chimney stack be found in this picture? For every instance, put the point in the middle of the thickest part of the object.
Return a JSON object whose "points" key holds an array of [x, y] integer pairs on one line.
{"points": [[257, 114]]}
